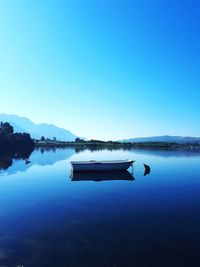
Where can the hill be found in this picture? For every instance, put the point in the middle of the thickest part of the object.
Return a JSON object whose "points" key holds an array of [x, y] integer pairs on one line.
{"points": [[22, 124], [164, 138]]}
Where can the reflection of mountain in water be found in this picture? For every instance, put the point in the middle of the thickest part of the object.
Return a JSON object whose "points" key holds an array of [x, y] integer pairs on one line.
{"points": [[50, 156], [102, 176], [40, 157]]}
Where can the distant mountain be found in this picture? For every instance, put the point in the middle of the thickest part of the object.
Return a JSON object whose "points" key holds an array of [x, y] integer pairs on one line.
{"points": [[164, 138], [21, 124]]}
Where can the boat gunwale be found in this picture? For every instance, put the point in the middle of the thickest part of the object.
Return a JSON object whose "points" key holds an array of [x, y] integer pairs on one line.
{"points": [[91, 162]]}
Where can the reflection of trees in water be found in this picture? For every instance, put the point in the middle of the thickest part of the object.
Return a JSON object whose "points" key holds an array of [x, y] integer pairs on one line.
{"points": [[161, 152], [78, 148], [6, 158], [5, 161], [46, 149], [167, 153], [13, 145], [96, 147]]}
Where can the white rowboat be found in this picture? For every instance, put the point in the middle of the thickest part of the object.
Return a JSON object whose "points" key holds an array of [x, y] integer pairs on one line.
{"points": [[93, 165]]}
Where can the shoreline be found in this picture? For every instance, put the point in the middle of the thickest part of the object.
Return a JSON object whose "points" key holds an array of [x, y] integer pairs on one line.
{"points": [[117, 145]]}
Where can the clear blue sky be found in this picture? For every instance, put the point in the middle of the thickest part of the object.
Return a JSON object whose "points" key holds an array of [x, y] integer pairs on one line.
{"points": [[100, 68]]}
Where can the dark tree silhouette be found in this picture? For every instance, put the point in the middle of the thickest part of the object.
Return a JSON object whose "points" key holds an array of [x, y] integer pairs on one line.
{"points": [[10, 141], [79, 140], [6, 128], [42, 138]]}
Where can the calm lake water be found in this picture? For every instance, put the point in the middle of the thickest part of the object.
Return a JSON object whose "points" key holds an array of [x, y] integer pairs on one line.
{"points": [[48, 220]]}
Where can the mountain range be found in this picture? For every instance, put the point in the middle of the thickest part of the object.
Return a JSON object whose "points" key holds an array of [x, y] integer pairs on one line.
{"points": [[21, 124], [164, 138]]}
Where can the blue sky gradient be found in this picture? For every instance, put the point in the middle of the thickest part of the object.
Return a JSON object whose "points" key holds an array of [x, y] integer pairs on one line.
{"points": [[102, 69]]}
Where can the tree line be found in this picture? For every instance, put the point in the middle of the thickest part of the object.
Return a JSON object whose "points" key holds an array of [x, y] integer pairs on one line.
{"points": [[10, 141]]}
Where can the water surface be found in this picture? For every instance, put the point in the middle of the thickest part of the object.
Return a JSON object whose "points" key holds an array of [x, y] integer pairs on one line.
{"points": [[46, 219]]}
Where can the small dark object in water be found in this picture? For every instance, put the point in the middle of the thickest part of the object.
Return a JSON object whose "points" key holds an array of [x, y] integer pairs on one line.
{"points": [[147, 169], [27, 161]]}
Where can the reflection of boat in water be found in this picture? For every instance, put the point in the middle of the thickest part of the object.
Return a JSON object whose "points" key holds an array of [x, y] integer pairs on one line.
{"points": [[93, 165], [101, 176]]}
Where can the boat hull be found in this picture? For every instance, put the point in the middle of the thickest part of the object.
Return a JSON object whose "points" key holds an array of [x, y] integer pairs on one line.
{"points": [[101, 166]]}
